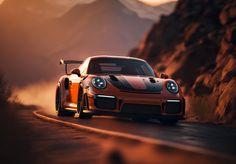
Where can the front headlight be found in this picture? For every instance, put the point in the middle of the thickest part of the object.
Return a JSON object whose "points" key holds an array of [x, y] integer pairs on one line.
{"points": [[172, 87], [99, 82]]}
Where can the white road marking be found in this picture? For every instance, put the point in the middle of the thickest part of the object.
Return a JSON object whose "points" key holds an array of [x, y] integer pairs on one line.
{"points": [[148, 140]]}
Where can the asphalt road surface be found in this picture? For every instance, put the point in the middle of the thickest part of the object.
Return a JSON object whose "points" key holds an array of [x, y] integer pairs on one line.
{"points": [[217, 138], [27, 139]]}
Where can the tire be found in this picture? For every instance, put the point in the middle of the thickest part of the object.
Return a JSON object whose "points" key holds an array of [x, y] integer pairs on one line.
{"points": [[140, 119], [83, 105], [168, 121], [59, 109]]}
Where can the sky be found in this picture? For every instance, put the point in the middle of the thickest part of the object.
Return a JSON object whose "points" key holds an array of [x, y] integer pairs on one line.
{"points": [[149, 2]]}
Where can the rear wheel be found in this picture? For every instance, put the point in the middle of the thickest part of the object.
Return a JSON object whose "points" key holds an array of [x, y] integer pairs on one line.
{"points": [[83, 105], [168, 121], [59, 109]]}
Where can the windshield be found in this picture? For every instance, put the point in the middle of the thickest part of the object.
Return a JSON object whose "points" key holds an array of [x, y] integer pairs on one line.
{"points": [[119, 66]]}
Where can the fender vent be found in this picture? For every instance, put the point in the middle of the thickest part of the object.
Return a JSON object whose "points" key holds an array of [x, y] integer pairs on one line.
{"points": [[113, 77], [67, 84], [152, 80]]}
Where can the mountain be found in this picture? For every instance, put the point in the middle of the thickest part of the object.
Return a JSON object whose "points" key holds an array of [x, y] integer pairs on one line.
{"points": [[149, 12], [98, 31], [196, 45], [33, 37]]}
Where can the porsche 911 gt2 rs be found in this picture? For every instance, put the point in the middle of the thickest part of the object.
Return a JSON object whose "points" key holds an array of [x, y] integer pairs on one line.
{"points": [[119, 86]]}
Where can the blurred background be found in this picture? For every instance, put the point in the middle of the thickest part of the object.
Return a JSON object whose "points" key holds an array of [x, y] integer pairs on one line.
{"points": [[192, 41]]}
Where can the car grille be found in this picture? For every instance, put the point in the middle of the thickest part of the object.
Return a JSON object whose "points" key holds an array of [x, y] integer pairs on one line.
{"points": [[173, 107], [141, 109]]}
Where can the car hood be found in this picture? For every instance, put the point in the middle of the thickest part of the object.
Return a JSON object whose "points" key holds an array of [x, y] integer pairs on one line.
{"points": [[135, 83]]}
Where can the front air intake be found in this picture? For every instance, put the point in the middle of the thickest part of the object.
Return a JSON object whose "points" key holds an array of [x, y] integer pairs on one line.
{"points": [[105, 102], [173, 107], [141, 109]]}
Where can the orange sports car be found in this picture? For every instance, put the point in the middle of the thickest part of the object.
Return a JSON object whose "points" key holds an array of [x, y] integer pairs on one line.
{"points": [[119, 86]]}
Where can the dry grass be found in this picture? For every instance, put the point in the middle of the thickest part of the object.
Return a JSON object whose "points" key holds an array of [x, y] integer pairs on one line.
{"points": [[202, 108]]}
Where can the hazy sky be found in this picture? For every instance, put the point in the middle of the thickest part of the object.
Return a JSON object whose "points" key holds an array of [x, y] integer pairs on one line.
{"points": [[39, 89], [150, 2]]}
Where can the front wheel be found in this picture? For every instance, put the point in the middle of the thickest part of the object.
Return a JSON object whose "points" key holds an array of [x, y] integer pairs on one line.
{"points": [[168, 121], [59, 109], [83, 105]]}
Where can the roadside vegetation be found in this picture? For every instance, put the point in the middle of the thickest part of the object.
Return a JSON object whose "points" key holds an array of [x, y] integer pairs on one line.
{"points": [[5, 91]]}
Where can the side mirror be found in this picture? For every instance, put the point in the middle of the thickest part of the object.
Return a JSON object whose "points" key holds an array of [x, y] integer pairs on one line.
{"points": [[76, 71], [164, 76]]}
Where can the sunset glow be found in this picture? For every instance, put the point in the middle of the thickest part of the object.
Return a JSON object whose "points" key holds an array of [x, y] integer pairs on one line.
{"points": [[149, 2], [156, 2]]}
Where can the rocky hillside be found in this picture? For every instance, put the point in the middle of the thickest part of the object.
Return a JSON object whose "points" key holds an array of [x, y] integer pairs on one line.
{"points": [[196, 45]]}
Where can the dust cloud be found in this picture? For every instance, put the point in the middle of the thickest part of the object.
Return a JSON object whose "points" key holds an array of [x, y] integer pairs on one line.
{"points": [[41, 94]]}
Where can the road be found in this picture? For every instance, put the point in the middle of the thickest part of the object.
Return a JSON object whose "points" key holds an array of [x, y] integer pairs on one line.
{"points": [[208, 136], [27, 139]]}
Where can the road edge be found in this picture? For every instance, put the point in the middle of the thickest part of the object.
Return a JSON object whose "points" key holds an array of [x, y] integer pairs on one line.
{"points": [[148, 140]]}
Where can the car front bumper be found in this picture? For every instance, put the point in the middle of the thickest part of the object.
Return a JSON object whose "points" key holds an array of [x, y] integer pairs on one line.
{"points": [[143, 105]]}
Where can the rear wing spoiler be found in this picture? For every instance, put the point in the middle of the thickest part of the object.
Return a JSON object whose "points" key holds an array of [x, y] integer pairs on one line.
{"points": [[66, 62]]}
